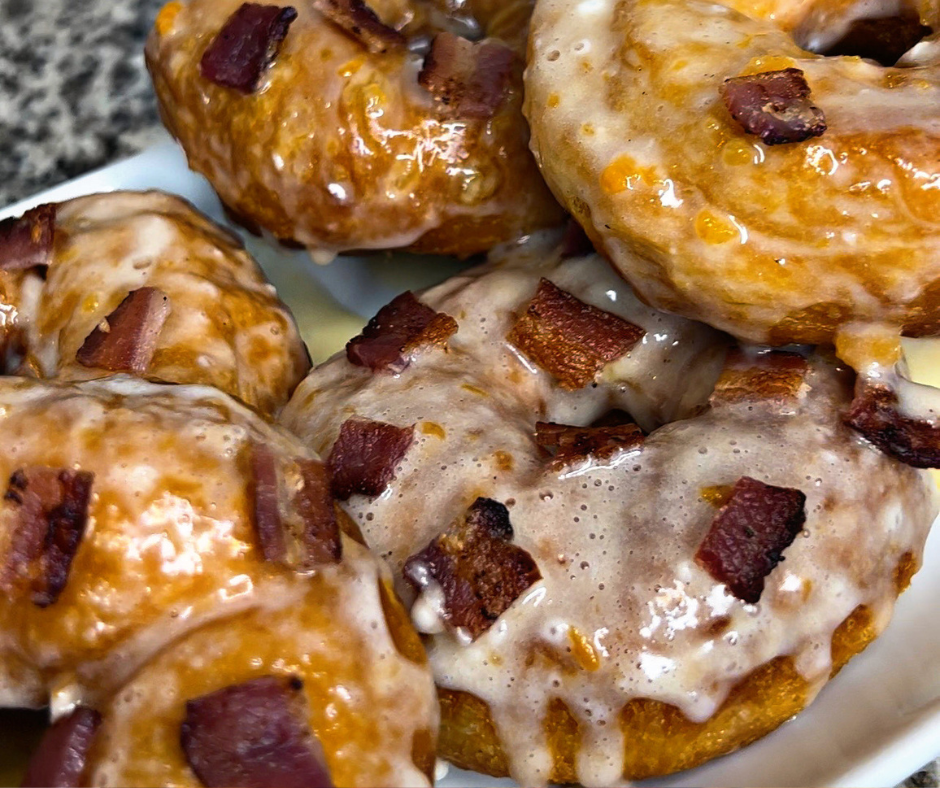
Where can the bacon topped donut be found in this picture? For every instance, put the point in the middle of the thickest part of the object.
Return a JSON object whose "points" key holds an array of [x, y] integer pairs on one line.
{"points": [[734, 176], [632, 569], [344, 124]]}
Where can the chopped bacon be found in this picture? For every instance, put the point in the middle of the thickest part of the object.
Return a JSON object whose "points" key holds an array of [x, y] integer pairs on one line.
{"points": [[362, 23], [874, 413], [774, 376], [470, 78], [126, 340], [479, 572], [298, 530], [246, 45], [774, 105], [27, 241], [254, 734], [365, 455], [577, 443], [570, 339], [60, 758], [399, 328], [51, 514], [749, 534], [883, 39]]}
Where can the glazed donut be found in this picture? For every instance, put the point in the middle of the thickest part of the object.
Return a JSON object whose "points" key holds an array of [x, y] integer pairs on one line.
{"points": [[594, 603], [332, 131], [163, 543], [143, 283], [736, 178]]}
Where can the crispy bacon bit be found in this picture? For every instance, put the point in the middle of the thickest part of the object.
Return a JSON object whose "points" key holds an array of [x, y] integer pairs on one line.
{"points": [[246, 45], [364, 457], [254, 734], [883, 39], [399, 328], [570, 339], [775, 376], [126, 340], [577, 443], [60, 758], [774, 105], [479, 572], [362, 23], [874, 413], [52, 511], [470, 78], [27, 241], [298, 530], [749, 534]]}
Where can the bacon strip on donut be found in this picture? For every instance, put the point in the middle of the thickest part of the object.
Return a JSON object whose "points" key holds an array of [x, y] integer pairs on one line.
{"points": [[774, 105], [27, 241], [471, 78], [570, 339], [126, 340], [399, 328], [749, 534], [298, 530], [254, 734], [874, 413], [246, 45], [477, 569], [51, 514], [774, 376], [60, 758], [577, 443], [364, 457], [362, 23]]}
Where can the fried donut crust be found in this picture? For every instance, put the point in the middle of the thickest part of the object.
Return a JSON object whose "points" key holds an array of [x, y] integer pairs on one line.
{"points": [[340, 148]]}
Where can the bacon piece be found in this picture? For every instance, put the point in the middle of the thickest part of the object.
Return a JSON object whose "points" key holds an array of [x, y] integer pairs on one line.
{"points": [[364, 457], [60, 758], [774, 105], [399, 328], [577, 443], [775, 376], [749, 534], [362, 23], [570, 339], [883, 39], [52, 512], [27, 241], [126, 340], [470, 78], [254, 734], [246, 45], [299, 530], [874, 413], [479, 572]]}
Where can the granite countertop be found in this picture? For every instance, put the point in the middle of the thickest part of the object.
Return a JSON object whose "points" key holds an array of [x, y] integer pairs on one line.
{"points": [[74, 96]]}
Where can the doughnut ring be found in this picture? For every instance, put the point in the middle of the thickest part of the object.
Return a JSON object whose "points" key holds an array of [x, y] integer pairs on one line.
{"points": [[580, 574], [356, 126], [737, 178]]}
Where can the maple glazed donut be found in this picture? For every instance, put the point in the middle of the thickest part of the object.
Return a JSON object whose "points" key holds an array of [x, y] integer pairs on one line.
{"points": [[172, 563], [603, 601], [736, 178], [141, 282], [341, 125]]}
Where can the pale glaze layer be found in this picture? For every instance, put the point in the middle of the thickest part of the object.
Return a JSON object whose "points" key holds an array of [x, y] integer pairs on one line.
{"points": [[622, 610], [773, 244], [341, 149]]}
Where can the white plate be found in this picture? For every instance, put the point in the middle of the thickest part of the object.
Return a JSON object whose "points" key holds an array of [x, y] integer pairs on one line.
{"points": [[873, 726]]}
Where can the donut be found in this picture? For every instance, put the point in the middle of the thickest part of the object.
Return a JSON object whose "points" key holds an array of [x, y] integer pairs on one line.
{"points": [[735, 177], [140, 282], [340, 125], [162, 545], [584, 502]]}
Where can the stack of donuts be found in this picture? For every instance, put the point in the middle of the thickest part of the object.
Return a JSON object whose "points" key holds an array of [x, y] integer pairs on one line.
{"points": [[616, 501]]}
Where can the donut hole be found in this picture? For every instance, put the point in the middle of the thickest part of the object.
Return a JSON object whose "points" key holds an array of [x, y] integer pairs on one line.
{"points": [[879, 31]]}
